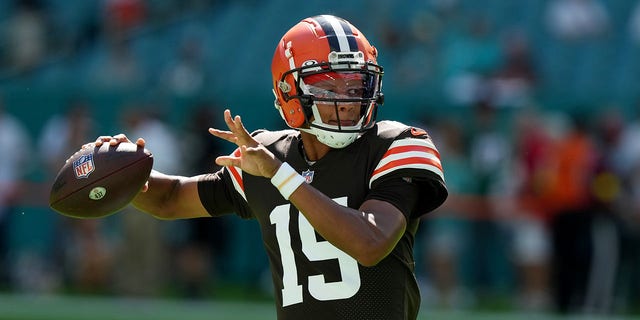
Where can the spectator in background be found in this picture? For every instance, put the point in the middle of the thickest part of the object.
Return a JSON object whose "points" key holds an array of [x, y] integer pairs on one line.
{"points": [[627, 165], [117, 68], [203, 149], [490, 156], [26, 35], [417, 64], [63, 133], [14, 165], [445, 6], [634, 24], [567, 197], [575, 20], [84, 249], [445, 234], [122, 16], [468, 59], [628, 151], [608, 209], [147, 119], [514, 81], [144, 251], [186, 75], [88, 256], [199, 253], [527, 218]]}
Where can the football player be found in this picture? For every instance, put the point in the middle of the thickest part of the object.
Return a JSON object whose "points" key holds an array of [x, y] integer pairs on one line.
{"points": [[338, 196]]}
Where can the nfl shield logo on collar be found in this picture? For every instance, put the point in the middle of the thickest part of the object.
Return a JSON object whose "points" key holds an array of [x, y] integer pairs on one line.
{"points": [[307, 175]]}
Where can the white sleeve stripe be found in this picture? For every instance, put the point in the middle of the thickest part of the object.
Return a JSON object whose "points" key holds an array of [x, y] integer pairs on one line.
{"points": [[421, 166], [404, 155], [413, 142]]}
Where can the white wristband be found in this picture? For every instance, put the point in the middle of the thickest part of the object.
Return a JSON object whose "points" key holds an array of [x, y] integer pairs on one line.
{"points": [[287, 180]]}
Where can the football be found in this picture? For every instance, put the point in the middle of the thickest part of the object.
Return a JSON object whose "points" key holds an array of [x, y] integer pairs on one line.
{"points": [[97, 182]]}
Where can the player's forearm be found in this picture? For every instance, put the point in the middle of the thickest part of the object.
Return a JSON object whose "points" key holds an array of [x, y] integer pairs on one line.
{"points": [[155, 200], [361, 235], [163, 198]]}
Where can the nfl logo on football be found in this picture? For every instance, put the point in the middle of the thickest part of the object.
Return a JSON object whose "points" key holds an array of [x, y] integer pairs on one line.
{"points": [[83, 166]]}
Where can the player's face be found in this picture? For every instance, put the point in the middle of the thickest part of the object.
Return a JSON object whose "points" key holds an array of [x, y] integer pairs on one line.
{"points": [[339, 113]]}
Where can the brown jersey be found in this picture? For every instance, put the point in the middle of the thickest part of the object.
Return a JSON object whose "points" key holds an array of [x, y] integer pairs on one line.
{"points": [[312, 278]]}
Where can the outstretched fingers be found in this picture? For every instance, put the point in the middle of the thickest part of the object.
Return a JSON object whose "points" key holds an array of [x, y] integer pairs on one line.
{"points": [[226, 135], [228, 161], [237, 133], [237, 127], [114, 140], [111, 141], [232, 160]]}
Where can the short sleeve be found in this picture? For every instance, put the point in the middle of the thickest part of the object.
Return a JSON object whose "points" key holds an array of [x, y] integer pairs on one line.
{"points": [[400, 193], [219, 197]]}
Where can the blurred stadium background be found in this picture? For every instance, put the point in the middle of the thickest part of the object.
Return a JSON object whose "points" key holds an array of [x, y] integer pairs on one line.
{"points": [[533, 103]]}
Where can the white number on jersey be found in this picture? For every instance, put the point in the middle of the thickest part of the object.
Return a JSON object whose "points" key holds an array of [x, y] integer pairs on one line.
{"points": [[315, 251]]}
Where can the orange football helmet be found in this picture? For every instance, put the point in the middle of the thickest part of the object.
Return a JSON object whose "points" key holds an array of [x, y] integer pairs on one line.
{"points": [[323, 48]]}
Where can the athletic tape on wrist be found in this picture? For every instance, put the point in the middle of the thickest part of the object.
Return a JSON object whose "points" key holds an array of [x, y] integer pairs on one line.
{"points": [[287, 180]]}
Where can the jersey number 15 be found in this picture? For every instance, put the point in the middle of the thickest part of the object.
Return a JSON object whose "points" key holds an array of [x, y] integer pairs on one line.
{"points": [[314, 250]]}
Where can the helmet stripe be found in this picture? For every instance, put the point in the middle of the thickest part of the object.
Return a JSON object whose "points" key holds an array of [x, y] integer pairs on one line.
{"points": [[339, 34]]}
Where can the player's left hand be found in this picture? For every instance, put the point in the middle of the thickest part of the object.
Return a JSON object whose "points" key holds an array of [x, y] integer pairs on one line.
{"points": [[251, 156]]}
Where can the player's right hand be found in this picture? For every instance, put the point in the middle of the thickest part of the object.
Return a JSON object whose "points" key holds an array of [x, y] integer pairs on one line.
{"points": [[253, 157], [115, 140]]}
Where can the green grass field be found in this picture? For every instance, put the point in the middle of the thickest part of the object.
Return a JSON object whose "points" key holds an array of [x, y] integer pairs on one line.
{"points": [[26, 307], [20, 307]]}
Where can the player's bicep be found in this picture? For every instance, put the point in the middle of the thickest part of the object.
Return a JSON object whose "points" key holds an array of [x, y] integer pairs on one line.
{"points": [[386, 217]]}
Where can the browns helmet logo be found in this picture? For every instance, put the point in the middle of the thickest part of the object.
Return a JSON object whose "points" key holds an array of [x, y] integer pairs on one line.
{"points": [[416, 132]]}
